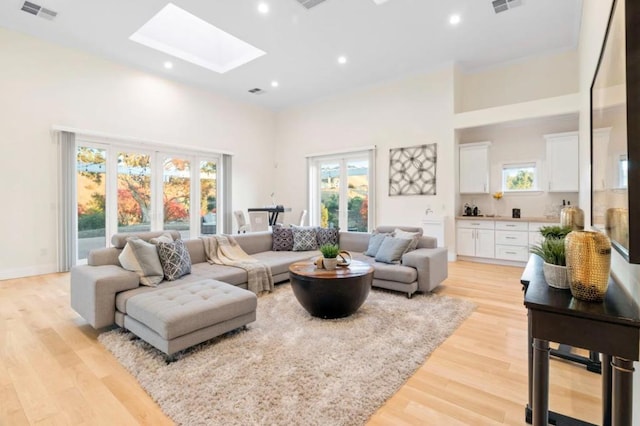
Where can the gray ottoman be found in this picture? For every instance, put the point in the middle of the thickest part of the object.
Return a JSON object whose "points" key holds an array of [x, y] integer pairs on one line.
{"points": [[178, 317]]}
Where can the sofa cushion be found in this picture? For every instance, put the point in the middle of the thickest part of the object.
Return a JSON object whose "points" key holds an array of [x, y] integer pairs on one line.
{"points": [[374, 244], [142, 258], [280, 261], [120, 240], [327, 236], [175, 259], [227, 274], [304, 239], [392, 249], [282, 239], [164, 238], [389, 272]]}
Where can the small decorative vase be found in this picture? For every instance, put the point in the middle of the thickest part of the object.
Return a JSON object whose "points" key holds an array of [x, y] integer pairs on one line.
{"points": [[330, 264], [555, 275], [573, 217], [588, 255]]}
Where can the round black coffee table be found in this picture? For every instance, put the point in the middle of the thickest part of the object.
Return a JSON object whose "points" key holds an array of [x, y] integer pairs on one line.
{"points": [[331, 294]]}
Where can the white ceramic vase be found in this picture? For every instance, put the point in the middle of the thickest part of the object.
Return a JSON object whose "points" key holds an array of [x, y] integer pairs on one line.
{"points": [[555, 275], [330, 264]]}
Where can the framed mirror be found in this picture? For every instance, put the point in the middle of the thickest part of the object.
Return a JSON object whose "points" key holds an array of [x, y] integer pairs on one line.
{"points": [[615, 132]]}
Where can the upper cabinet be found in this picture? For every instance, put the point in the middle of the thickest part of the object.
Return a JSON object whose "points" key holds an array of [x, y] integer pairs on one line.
{"points": [[474, 168], [562, 162]]}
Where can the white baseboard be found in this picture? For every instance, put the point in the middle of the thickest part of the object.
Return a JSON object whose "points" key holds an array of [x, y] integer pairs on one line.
{"points": [[9, 274], [492, 261]]}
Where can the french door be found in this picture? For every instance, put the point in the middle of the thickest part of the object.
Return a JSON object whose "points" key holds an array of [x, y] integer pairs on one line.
{"points": [[341, 189], [127, 189]]}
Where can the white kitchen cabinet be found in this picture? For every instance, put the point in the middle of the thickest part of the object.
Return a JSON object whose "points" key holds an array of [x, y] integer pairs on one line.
{"points": [[474, 168], [600, 147], [475, 238], [562, 162], [512, 240]]}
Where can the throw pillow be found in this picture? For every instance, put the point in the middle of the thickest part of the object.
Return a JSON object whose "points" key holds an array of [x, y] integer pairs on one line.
{"points": [[175, 259], [142, 258], [165, 238], [374, 244], [327, 236], [412, 236], [304, 239], [391, 250], [282, 239]]}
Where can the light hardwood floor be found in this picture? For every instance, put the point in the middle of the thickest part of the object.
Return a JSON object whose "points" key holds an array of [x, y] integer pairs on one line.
{"points": [[53, 370]]}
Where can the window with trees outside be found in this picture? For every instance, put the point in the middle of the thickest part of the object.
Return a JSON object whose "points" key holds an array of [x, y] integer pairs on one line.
{"points": [[520, 177], [341, 188], [126, 189]]}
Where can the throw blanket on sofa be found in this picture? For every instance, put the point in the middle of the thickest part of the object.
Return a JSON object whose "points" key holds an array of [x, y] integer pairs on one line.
{"points": [[224, 250]]}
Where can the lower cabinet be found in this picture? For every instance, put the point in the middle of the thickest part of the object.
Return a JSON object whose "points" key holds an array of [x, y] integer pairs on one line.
{"points": [[501, 240], [512, 241], [475, 238]]}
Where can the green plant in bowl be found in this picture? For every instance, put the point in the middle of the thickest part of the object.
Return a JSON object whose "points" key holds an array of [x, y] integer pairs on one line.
{"points": [[329, 251], [555, 231], [551, 250]]}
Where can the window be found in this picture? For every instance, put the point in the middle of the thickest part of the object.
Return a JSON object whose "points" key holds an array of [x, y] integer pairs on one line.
{"points": [[335, 204], [623, 171], [520, 177], [122, 188]]}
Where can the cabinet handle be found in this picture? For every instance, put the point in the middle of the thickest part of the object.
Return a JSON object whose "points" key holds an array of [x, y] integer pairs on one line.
{"points": [[510, 238], [475, 224], [549, 186], [510, 226], [511, 252]]}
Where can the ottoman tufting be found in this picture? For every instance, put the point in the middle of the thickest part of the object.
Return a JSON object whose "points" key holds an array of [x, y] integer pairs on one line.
{"points": [[178, 317]]}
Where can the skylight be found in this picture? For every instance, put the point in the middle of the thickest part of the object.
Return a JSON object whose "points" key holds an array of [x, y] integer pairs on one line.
{"points": [[179, 33]]}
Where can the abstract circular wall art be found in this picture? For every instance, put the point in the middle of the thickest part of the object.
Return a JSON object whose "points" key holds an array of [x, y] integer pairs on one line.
{"points": [[412, 170]]}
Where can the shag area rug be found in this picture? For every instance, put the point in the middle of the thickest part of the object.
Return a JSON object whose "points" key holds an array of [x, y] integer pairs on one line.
{"points": [[289, 368]]}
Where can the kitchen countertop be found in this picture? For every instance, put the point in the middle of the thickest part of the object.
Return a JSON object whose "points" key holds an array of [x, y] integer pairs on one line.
{"points": [[510, 219]]}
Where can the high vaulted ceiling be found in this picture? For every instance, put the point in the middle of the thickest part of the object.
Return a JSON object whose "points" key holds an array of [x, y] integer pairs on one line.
{"points": [[381, 42]]}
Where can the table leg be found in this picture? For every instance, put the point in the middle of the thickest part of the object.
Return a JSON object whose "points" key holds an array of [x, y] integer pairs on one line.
{"points": [[530, 367], [540, 399], [622, 392], [606, 390]]}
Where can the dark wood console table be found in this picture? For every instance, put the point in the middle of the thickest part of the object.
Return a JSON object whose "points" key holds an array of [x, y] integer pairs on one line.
{"points": [[611, 327]]}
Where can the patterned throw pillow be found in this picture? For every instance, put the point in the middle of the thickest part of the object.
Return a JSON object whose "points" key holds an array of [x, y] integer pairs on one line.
{"points": [[175, 259], [304, 239], [282, 239], [327, 236]]}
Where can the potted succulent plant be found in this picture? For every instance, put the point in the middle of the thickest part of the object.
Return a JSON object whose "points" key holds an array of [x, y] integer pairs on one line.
{"points": [[329, 255], [551, 250]]}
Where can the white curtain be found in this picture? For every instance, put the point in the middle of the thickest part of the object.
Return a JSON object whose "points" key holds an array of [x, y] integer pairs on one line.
{"points": [[227, 224], [67, 219]]}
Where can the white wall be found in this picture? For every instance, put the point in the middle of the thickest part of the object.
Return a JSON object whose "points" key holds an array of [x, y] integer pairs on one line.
{"points": [[521, 141], [594, 22], [520, 81], [414, 111], [43, 84]]}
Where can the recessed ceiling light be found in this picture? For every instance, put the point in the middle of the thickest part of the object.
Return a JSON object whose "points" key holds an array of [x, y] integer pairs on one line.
{"points": [[274, 83], [454, 19], [168, 65], [342, 59], [263, 8], [179, 33]]}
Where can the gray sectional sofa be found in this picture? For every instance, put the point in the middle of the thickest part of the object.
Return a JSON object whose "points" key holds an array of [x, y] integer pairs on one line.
{"points": [[101, 290]]}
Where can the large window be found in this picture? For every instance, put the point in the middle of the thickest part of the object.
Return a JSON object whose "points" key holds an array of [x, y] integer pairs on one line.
{"points": [[341, 190], [127, 189]]}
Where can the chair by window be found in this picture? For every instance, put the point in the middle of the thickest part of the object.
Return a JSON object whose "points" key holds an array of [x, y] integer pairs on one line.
{"points": [[259, 221], [242, 223]]}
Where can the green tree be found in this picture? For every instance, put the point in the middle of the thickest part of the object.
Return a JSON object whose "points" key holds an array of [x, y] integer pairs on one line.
{"points": [[522, 180]]}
